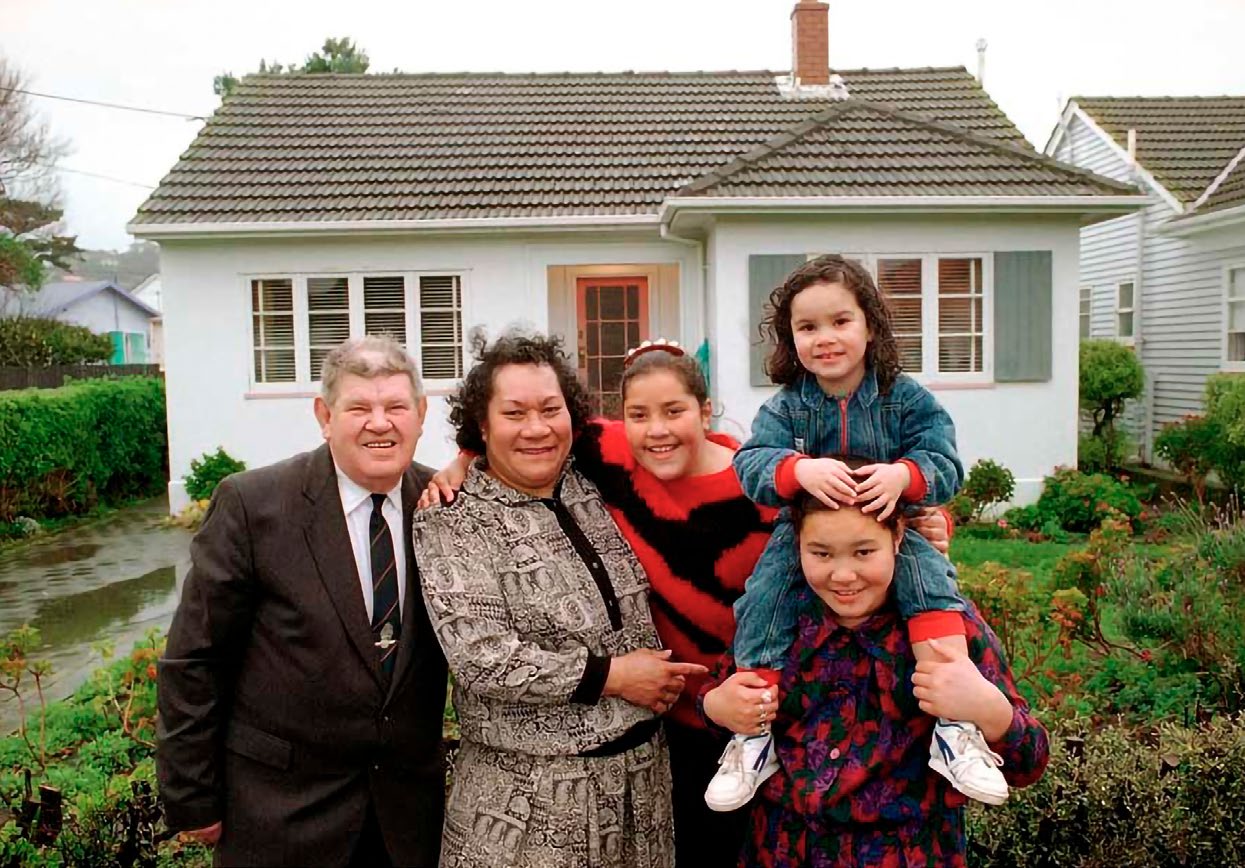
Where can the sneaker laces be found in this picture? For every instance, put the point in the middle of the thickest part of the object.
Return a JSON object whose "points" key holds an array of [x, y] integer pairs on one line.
{"points": [[971, 737], [732, 759]]}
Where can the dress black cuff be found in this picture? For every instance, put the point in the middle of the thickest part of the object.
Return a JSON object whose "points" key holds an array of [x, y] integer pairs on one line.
{"points": [[592, 684]]}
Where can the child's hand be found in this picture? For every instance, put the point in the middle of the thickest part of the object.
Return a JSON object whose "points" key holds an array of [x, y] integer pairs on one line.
{"points": [[952, 687], [827, 480], [445, 482], [881, 487]]}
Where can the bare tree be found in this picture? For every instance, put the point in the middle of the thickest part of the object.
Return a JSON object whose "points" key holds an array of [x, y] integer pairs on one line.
{"points": [[28, 149]]}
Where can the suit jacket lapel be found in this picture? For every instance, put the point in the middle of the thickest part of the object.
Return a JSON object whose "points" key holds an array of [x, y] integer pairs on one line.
{"points": [[413, 601], [329, 541]]}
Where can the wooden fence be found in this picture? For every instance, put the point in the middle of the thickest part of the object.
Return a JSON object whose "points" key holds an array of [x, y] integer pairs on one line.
{"points": [[56, 375]]}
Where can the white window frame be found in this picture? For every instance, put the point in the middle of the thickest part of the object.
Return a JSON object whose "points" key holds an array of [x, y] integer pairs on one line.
{"points": [[304, 381], [929, 375], [1085, 313], [1236, 366], [1127, 340]]}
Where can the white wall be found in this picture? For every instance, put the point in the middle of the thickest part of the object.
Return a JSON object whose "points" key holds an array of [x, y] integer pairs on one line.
{"points": [[107, 312], [208, 354], [1029, 427]]}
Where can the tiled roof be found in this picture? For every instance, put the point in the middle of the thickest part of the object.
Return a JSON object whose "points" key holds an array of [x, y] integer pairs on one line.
{"points": [[861, 149], [1184, 142], [1230, 192], [410, 147], [53, 299]]}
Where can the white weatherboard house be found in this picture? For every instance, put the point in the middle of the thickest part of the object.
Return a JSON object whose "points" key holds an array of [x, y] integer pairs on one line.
{"points": [[611, 208], [101, 306], [1168, 280]]}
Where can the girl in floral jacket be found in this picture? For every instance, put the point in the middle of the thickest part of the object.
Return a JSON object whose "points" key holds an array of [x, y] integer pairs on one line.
{"points": [[855, 788]]}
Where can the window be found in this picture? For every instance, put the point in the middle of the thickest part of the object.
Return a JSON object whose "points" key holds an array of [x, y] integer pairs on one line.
{"points": [[1234, 348], [1124, 310], [900, 282], [296, 321], [440, 327], [1086, 308], [961, 330], [272, 319]]}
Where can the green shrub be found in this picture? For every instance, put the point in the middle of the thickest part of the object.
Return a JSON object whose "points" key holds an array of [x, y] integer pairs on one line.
{"points": [[62, 451], [1124, 798], [1191, 447], [1225, 408], [988, 483], [1077, 502], [1110, 375], [1104, 452], [208, 470], [38, 342]]}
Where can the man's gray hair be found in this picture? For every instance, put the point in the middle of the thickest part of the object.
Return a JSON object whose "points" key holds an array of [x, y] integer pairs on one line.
{"points": [[369, 356]]}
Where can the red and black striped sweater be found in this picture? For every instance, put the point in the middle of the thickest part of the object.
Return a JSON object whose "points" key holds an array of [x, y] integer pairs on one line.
{"points": [[698, 539]]}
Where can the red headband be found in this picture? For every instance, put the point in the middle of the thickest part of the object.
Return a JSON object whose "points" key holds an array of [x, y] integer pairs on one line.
{"points": [[671, 347]]}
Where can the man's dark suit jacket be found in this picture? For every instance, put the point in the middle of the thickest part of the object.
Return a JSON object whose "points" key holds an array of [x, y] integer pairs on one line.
{"points": [[274, 717]]}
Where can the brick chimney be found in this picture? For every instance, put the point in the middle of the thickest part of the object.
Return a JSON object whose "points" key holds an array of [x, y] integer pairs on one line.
{"points": [[810, 43]]}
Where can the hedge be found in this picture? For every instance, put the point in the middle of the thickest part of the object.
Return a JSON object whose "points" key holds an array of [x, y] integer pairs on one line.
{"points": [[63, 451]]}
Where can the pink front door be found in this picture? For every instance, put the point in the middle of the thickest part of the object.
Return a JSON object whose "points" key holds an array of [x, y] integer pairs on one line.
{"points": [[613, 318]]}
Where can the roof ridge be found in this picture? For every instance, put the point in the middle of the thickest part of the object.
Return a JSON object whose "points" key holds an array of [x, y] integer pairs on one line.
{"points": [[822, 118], [1223, 175], [655, 73], [1170, 98]]}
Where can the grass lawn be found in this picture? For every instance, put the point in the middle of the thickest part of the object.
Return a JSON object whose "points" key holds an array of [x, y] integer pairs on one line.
{"points": [[1036, 558]]}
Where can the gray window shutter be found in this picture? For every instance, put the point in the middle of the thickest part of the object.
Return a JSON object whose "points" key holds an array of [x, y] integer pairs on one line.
{"points": [[1022, 316], [765, 271]]}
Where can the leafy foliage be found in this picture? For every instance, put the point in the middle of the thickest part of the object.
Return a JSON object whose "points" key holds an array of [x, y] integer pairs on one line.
{"points": [[988, 483], [1225, 408], [1077, 502], [1110, 375], [208, 470], [38, 342], [1191, 446], [335, 56], [64, 450]]}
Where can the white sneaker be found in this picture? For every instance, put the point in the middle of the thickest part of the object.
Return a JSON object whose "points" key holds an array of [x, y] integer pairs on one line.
{"points": [[959, 753], [747, 762]]}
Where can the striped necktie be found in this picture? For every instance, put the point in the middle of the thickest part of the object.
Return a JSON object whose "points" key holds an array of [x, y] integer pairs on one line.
{"points": [[386, 614]]}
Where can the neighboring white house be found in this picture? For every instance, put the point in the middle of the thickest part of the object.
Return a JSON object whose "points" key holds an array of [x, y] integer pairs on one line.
{"points": [[151, 293], [1170, 279], [99, 305], [611, 208]]}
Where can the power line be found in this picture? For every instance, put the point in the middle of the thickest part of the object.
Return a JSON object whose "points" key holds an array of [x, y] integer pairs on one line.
{"points": [[112, 105], [97, 175]]}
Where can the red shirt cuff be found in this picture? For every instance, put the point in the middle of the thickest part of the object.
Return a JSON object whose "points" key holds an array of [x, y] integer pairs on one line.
{"points": [[915, 492], [785, 482]]}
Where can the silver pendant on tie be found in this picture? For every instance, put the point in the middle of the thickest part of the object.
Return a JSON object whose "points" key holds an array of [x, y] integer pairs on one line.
{"points": [[386, 637]]}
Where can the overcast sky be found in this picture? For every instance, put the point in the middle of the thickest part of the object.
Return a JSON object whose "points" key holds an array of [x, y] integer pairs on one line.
{"points": [[163, 54]]}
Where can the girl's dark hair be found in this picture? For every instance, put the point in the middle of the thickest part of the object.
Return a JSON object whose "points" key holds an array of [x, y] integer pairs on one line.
{"points": [[806, 504], [683, 366], [469, 407], [882, 354]]}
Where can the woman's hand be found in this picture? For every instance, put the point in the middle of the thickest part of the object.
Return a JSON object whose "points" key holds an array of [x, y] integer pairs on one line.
{"points": [[933, 524], [953, 687], [649, 678], [744, 704], [881, 486], [826, 479], [445, 482]]}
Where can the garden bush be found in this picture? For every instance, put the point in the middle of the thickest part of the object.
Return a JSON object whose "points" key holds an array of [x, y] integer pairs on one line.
{"points": [[208, 470], [1103, 453], [1191, 447], [38, 342], [1121, 797], [63, 451], [1225, 408], [1110, 375], [988, 483], [1077, 502]]}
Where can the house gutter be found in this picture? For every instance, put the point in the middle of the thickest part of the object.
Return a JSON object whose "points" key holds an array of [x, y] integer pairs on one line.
{"points": [[461, 225], [668, 235]]}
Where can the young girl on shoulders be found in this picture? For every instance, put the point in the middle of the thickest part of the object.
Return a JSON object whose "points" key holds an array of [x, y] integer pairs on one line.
{"points": [[836, 358]]}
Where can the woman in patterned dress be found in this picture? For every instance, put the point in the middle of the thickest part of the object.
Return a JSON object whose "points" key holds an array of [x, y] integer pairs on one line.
{"points": [[542, 611], [856, 712]]}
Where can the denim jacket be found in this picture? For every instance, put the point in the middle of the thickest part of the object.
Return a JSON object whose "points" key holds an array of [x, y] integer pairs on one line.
{"points": [[906, 422]]}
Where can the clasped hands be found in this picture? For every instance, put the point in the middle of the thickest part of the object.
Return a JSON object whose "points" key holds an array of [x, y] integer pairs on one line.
{"points": [[649, 678], [877, 486]]}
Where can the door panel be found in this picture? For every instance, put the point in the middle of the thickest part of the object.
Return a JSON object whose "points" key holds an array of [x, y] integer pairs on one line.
{"points": [[613, 318]]}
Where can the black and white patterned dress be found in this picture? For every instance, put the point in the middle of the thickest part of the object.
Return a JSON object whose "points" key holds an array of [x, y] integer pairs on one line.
{"points": [[530, 597]]}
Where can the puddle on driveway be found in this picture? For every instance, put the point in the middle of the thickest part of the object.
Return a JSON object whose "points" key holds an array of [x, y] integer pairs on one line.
{"points": [[111, 580]]}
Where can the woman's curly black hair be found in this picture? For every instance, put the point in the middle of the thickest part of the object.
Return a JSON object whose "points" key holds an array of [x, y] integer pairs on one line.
{"points": [[469, 407], [882, 355]]}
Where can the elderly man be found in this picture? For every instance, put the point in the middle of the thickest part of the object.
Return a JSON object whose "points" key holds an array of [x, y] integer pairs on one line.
{"points": [[302, 688]]}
